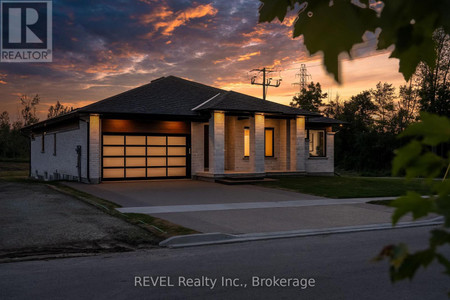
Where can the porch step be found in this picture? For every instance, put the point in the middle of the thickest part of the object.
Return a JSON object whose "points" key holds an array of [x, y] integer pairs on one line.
{"points": [[236, 181]]}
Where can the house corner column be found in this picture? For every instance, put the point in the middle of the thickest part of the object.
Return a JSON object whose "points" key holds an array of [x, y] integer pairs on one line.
{"points": [[217, 143], [298, 146], [94, 148], [257, 143], [330, 150]]}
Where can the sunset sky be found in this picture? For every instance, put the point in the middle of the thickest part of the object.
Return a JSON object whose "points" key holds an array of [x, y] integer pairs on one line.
{"points": [[101, 48]]}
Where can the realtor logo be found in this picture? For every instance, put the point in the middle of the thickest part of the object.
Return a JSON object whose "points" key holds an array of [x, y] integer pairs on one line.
{"points": [[26, 31]]}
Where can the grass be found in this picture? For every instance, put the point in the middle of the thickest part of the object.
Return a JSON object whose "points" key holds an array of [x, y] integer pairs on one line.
{"points": [[349, 187], [165, 228], [11, 168]]}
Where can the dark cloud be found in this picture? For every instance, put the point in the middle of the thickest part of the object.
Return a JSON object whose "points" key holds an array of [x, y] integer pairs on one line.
{"points": [[105, 47]]}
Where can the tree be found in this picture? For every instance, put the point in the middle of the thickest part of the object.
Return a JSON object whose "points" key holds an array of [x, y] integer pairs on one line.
{"points": [[309, 98], [58, 110], [407, 108], [359, 145], [360, 110], [383, 97], [5, 128], [434, 82], [29, 109], [334, 108]]}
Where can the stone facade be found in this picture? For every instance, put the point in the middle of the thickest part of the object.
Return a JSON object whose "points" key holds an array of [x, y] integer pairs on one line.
{"points": [[322, 165], [217, 143], [291, 150]]}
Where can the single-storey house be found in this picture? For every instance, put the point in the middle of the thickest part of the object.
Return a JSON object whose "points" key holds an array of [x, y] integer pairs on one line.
{"points": [[176, 128]]}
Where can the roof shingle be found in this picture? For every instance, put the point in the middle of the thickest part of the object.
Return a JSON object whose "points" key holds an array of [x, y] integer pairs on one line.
{"points": [[176, 96]]}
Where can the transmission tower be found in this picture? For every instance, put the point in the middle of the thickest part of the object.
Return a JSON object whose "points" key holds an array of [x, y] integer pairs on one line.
{"points": [[266, 80], [303, 76]]}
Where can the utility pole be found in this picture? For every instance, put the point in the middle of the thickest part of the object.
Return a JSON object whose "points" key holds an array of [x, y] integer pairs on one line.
{"points": [[266, 82], [303, 76]]}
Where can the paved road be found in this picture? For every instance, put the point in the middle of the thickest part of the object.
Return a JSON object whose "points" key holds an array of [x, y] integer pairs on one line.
{"points": [[340, 265]]}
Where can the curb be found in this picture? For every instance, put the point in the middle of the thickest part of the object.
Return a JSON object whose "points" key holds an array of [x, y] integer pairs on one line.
{"points": [[217, 238]]}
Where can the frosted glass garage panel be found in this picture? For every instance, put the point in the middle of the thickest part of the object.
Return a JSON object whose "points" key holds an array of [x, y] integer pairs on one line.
{"points": [[113, 173], [156, 140], [135, 140], [156, 172], [156, 151], [177, 161], [135, 161], [135, 151], [113, 162], [176, 151], [176, 140], [176, 172], [113, 151], [135, 173], [113, 139], [156, 161]]}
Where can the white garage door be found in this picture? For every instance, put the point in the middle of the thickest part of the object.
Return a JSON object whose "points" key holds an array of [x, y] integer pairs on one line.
{"points": [[144, 156]]}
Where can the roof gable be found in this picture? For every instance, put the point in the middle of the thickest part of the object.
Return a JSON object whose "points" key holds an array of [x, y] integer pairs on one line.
{"points": [[176, 96]]}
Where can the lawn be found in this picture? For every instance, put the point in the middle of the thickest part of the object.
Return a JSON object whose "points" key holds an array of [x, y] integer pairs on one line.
{"points": [[14, 168], [348, 187]]}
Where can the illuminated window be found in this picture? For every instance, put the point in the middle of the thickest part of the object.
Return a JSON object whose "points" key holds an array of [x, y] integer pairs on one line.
{"points": [[268, 142], [246, 142], [317, 143]]}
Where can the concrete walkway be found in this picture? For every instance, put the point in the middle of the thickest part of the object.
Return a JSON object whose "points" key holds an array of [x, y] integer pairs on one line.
{"points": [[245, 205]]}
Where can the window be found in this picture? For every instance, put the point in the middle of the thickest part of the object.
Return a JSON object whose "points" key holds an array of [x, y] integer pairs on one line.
{"points": [[246, 142], [268, 142], [316, 143], [43, 143], [54, 144]]}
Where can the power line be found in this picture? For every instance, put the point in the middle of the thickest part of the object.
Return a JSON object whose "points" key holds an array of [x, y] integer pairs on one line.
{"points": [[303, 77], [266, 82]]}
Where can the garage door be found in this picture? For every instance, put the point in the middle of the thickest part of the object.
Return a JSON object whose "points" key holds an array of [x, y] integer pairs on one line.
{"points": [[144, 156]]}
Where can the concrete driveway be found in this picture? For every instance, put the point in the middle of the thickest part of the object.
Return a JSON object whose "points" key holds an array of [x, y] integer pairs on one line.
{"points": [[210, 207]]}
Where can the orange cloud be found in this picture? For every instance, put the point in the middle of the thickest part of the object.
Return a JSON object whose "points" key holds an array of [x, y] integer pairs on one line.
{"points": [[248, 56], [167, 20], [237, 58]]}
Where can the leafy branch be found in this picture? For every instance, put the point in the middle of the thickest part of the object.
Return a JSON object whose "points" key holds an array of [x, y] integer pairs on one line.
{"points": [[417, 159], [334, 27]]}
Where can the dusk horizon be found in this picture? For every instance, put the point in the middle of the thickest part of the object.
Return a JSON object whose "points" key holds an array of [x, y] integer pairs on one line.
{"points": [[104, 49]]}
